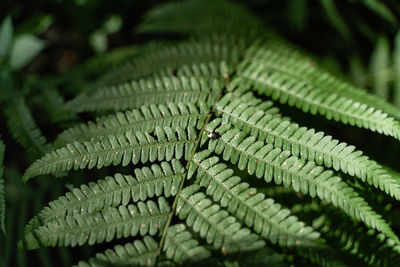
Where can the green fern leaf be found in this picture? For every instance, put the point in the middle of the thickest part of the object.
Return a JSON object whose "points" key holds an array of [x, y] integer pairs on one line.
{"points": [[210, 56], [297, 93], [304, 143], [306, 177], [263, 215], [163, 179], [144, 119], [29, 135], [122, 149], [154, 91], [214, 224], [181, 247], [277, 57], [104, 226], [2, 191], [137, 253]]}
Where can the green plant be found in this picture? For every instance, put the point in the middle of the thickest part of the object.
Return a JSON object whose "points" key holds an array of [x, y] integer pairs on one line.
{"points": [[200, 123]]}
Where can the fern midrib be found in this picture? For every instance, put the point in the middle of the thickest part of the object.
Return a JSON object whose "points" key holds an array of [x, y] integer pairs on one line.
{"points": [[244, 203], [326, 107], [359, 209], [53, 215], [80, 134], [175, 203]]}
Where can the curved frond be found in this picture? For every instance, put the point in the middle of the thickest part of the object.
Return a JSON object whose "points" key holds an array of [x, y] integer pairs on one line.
{"points": [[156, 91], [214, 224], [181, 247], [2, 191], [163, 179], [278, 57], [305, 143], [334, 107], [144, 119], [137, 253], [271, 163], [104, 226], [24, 129], [164, 144], [266, 217]]}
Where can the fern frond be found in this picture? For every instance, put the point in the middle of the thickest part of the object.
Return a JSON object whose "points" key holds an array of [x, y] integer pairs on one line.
{"points": [[163, 179], [280, 60], [297, 93], [2, 191], [266, 217], [24, 129], [214, 224], [144, 119], [156, 91], [137, 253], [165, 144], [181, 247], [104, 226], [305, 143], [271, 163], [219, 53], [188, 18]]}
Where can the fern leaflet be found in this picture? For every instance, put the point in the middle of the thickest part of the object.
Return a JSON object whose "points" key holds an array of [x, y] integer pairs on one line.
{"points": [[305, 143], [144, 119], [154, 91], [121, 149], [104, 226]]}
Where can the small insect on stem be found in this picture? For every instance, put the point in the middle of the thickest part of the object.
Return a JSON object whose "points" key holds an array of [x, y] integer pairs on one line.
{"points": [[213, 135]]}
